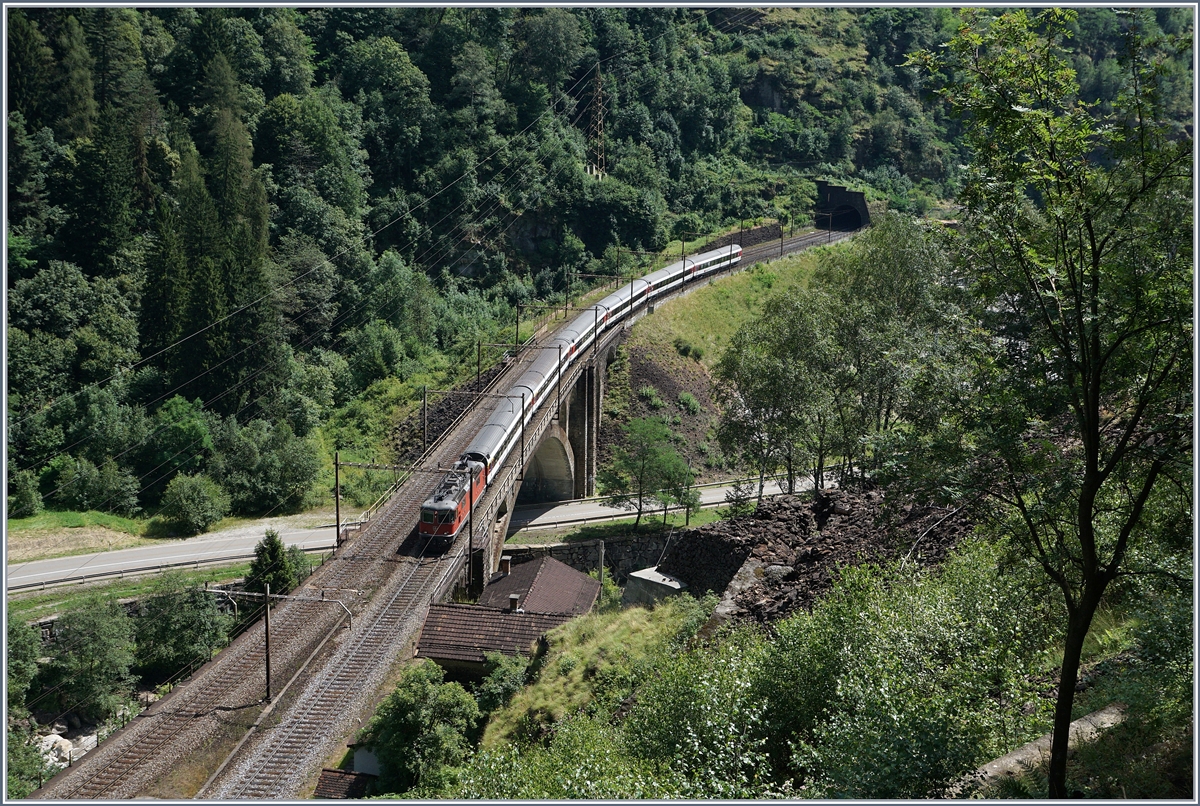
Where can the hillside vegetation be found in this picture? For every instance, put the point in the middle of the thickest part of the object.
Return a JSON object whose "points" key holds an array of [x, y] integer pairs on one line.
{"points": [[241, 239]]}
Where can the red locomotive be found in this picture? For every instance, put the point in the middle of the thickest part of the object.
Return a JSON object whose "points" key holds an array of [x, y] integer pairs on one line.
{"points": [[444, 513]]}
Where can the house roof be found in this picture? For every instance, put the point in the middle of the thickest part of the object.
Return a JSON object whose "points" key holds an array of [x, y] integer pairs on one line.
{"points": [[342, 784], [545, 585], [464, 632]]}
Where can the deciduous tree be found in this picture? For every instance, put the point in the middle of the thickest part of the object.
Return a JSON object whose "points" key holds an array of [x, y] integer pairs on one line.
{"points": [[178, 625], [1080, 227], [420, 731], [642, 467], [91, 657]]}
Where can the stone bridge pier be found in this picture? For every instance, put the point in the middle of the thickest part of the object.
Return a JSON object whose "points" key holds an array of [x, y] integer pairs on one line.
{"points": [[560, 453], [562, 464]]}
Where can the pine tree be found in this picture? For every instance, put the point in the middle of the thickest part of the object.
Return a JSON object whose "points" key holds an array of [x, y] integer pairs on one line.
{"points": [[102, 209], [74, 106], [271, 566], [30, 63], [114, 39], [168, 287]]}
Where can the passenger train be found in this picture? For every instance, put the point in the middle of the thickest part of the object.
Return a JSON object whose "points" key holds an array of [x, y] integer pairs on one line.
{"points": [[445, 512]]}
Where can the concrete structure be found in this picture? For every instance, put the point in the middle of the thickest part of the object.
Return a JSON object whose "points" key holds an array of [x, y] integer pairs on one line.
{"points": [[837, 208], [648, 586]]}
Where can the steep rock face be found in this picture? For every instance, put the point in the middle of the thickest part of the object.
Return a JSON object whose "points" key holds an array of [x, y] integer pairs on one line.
{"points": [[800, 544]]}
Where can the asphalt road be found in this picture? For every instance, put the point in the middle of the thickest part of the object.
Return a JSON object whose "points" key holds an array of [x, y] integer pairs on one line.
{"points": [[238, 543], [226, 545], [587, 510]]}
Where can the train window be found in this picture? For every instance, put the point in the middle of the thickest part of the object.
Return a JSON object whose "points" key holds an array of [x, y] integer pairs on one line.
{"points": [[426, 516]]}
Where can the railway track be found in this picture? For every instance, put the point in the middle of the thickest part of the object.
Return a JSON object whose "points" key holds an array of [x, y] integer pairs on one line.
{"points": [[397, 580], [771, 250], [277, 762], [232, 687]]}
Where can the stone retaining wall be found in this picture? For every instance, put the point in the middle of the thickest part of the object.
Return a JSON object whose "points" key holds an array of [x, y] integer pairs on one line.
{"points": [[622, 555]]}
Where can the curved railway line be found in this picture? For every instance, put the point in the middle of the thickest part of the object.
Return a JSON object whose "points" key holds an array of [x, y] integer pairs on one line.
{"points": [[389, 568], [234, 682]]}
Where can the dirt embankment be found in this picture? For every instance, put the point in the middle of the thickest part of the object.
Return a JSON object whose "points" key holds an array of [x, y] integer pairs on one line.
{"points": [[671, 376], [801, 544]]}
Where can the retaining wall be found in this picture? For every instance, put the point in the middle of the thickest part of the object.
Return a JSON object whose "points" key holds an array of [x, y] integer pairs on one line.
{"points": [[622, 555]]}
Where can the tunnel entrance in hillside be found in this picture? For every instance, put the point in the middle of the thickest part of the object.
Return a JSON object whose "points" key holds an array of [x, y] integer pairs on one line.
{"points": [[843, 218]]}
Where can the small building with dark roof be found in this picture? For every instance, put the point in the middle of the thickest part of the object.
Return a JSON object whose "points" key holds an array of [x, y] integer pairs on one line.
{"points": [[544, 585], [456, 636], [342, 784], [519, 605]]}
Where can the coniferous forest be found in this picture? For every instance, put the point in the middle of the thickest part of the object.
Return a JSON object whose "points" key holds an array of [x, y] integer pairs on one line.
{"points": [[234, 236]]}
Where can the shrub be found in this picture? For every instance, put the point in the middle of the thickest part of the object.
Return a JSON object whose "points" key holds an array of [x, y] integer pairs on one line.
{"points": [[687, 349], [419, 733], [651, 396], [194, 503], [298, 560], [263, 466], [689, 403], [740, 499], [700, 716], [610, 593], [24, 498], [584, 758], [506, 675], [900, 682], [363, 488], [77, 484]]}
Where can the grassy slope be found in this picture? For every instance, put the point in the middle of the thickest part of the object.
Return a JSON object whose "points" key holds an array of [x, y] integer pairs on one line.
{"points": [[705, 319], [708, 318], [590, 661]]}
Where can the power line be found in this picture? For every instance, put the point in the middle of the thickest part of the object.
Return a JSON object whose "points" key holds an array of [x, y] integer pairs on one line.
{"points": [[341, 318]]}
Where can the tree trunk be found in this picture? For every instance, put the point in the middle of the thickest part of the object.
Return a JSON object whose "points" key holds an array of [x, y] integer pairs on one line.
{"points": [[1078, 624]]}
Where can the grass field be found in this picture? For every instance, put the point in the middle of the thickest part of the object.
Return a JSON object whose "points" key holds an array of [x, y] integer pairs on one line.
{"points": [[709, 317]]}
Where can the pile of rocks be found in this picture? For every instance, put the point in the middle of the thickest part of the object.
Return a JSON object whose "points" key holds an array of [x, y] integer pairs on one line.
{"points": [[797, 545]]}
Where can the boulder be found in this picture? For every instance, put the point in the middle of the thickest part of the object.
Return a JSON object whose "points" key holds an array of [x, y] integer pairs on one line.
{"points": [[777, 573], [55, 748]]}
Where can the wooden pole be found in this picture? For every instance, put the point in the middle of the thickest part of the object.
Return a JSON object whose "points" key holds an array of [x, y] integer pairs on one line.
{"points": [[337, 499], [268, 642], [424, 418], [478, 360]]}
